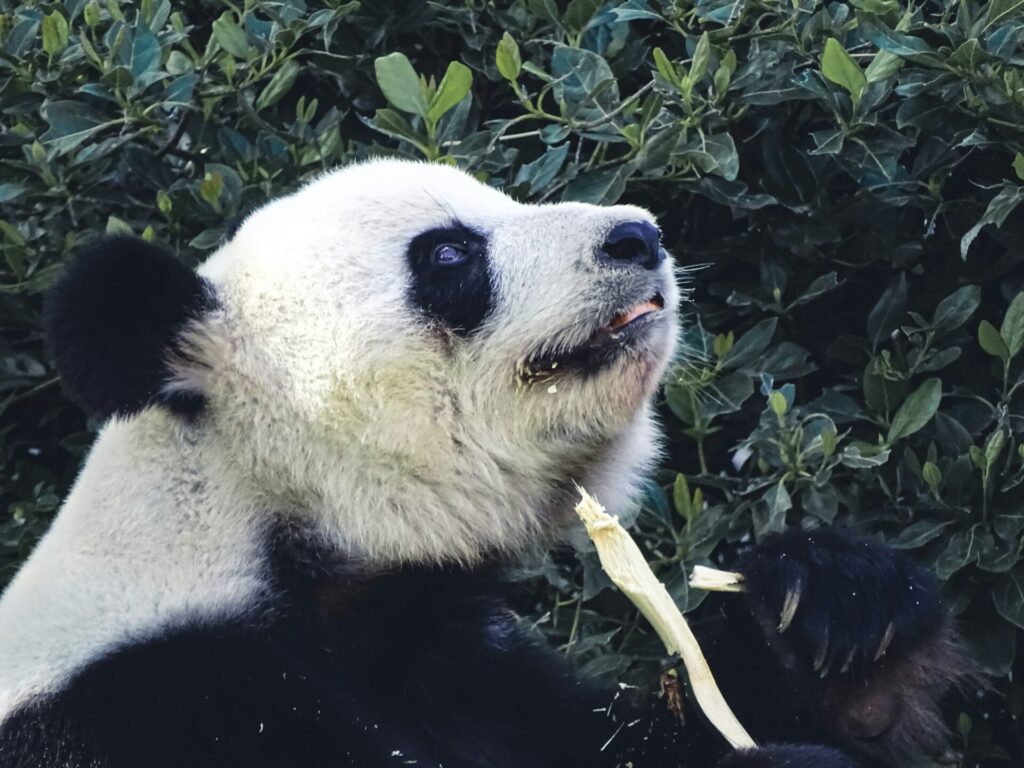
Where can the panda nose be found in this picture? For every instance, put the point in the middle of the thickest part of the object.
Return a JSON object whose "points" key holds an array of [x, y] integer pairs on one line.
{"points": [[632, 243]]}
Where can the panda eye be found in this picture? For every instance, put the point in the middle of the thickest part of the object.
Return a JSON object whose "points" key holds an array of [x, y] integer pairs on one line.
{"points": [[449, 276], [449, 255]]}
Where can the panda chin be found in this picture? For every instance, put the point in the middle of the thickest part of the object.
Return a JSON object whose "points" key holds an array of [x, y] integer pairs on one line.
{"points": [[632, 333]]}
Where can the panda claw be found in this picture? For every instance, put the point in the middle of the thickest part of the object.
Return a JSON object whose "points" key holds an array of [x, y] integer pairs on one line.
{"points": [[789, 606], [821, 655], [849, 661], [883, 646]]}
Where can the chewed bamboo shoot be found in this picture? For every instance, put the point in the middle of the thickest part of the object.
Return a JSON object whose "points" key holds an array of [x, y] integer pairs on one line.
{"points": [[714, 580], [622, 560]]}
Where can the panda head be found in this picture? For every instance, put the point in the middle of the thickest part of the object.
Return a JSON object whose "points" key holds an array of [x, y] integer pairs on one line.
{"points": [[403, 357]]}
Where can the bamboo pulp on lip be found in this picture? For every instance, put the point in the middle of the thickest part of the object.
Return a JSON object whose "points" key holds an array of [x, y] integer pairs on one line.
{"points": [[624, 563]]}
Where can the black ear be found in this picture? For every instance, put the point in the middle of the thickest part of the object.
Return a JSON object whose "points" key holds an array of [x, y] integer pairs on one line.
{"points": [[114, 318]]}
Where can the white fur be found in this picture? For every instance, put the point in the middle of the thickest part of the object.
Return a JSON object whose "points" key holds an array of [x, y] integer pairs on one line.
{"points": [[332, 401]]}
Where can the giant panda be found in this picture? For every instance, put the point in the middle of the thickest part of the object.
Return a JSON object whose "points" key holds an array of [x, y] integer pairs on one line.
{"points": [[286, 547]]}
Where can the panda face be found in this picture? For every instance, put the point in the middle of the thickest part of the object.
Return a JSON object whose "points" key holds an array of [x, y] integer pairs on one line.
{"points": [[425, 367]]}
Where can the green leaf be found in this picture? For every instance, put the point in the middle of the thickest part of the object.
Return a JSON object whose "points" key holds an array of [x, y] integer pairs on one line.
{"points": [[778, 403], [507, 57], [116, 226], [818, 287], [454, 86], [584, 83], [1001, 10], [178, 63], [544, 9], [724, 73], [888, 313], [210, 189], [992, 644], [727, 395], [682, 499], [969, 56], [230, 36], [1012, 329], [779, 500], [932, 477], [11, 191], [140, 52], [964, 724], [279, 85], [916, 535], [541, 172], [579, 13], [822, 504], [207, 239], [55, 33], [179, 90], [1018, 165], [957, 308], [751, 344], [71, 123], [697, 503], [837, 66], [603, 187], [164, 203], [829, 441], [22, 35], [723, 343], [1008, 596], [962, 549], [999, 208], [916, 411], [391, 123], [665, 67], [400, 84], [884, 65], [12, 233], [994, 446], [992, 342], [978, 458], [91, 13], [701, 58]]}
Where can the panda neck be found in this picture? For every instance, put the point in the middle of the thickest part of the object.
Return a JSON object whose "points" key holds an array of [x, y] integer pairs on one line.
{"points": [[150, 533]]}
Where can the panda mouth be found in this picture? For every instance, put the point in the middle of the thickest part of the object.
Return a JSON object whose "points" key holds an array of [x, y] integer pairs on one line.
{"points": [[621, 320], [621, 332]]}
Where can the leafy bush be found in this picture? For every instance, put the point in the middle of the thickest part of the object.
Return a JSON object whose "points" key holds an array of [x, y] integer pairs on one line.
{"points": [[844, 178]]}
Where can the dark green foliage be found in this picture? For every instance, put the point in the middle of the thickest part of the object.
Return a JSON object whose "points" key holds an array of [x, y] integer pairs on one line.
{"points": [[847, 175]]}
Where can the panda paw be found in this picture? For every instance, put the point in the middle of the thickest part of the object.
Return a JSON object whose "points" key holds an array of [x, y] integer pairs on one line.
{"points": [[840, 602], [861, 630], [787, 756]]}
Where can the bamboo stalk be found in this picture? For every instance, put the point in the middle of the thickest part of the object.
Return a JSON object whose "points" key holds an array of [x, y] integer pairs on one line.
{"points": [[624, 563]]}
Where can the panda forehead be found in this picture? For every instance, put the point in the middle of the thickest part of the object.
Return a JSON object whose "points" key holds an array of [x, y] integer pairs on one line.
{"points": [[387, 202], [413, 195]]}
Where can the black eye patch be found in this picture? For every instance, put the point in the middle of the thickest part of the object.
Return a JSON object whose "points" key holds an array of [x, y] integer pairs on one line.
{"points": [[451, 280]]}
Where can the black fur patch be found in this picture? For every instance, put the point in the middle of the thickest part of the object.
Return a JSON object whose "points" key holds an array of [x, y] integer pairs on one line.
{"points": [[459, 295], [417, 667], [112, 320], [788, 756], [420, 666]]}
